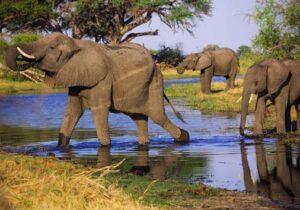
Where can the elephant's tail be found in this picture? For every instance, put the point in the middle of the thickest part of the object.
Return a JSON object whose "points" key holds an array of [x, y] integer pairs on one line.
{"points": [[178, 115]]}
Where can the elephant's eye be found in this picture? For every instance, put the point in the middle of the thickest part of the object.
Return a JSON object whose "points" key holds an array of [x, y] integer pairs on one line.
{"points": [[256, 83]]}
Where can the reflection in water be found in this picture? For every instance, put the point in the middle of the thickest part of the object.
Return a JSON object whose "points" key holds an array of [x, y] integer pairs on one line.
{"points": [[278, 174], [215, 155]]}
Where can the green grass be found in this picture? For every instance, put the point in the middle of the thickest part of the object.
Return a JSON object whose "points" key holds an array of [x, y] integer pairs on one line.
{"points": [[8, 86], [172, 74], [166, 194], [28, 182], [218, 101]]}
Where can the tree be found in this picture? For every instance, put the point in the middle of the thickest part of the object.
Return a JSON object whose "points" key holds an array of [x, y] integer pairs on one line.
{"points": [[28, 15], [109, 21], [243, 51], [279, 27], [168, 55]]}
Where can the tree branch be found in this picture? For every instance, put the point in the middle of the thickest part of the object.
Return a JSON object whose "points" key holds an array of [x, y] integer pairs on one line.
{"points": [[131, 36], [137, 21]]}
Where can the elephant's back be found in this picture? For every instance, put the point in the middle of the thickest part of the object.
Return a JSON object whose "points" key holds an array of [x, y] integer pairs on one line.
{"points": [[132, 72], [227, 52]]}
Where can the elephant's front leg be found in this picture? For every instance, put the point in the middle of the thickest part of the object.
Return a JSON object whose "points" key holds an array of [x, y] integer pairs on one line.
{"points": [[259, 115], [72, 115], [100, 116], [141, 122], [281, 103], [230, 82], [206, 77]]}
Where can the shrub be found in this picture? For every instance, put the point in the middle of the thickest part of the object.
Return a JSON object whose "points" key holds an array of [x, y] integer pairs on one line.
{"points": [[25, 38], [168, 55], [3, 48]]}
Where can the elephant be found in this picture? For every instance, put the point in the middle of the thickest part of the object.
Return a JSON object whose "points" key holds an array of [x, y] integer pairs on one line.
{"points": [[274, 80], [220, 62], [120, 79]]}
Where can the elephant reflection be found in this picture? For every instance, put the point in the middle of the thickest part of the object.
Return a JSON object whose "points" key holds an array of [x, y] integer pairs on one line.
{"points": [[141, 165], [281, 183]]}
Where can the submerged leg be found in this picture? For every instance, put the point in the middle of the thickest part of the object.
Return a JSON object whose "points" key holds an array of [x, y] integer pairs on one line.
{"points": [[72, 115], [141, 122]]}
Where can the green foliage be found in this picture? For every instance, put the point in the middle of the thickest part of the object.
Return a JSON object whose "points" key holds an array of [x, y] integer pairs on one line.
{"points": [[106, 21], [168, 55], [26, 14], [244, 51], [25, 38], [3, 48], [279, 31]]}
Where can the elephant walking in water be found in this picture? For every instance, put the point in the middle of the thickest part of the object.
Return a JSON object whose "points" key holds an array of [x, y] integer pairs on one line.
{"points": [[277, 80], [102, 78], [221, 62]]}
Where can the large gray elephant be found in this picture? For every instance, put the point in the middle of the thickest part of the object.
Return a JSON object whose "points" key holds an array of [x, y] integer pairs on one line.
{"points": [[102, 78], [220, 62], [278, 81]]}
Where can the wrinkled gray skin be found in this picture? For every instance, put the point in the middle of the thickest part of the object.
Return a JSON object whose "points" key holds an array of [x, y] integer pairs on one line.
{"points": [[220, 62], [117, 79], [278, 81]]}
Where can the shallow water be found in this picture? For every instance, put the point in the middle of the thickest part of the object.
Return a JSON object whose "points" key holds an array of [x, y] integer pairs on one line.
{"points": [[216, 155]]}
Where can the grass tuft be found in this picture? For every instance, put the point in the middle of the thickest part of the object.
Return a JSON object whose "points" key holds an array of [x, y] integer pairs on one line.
{"points": [[45, 183], [219, 101]]}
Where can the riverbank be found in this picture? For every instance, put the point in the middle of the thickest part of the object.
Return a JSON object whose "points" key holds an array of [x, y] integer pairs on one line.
{"points": [[219, 101], [47, 183], [228, 102], [8, 86]]}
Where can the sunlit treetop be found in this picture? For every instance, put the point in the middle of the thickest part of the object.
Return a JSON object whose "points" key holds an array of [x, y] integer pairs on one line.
{"points": [[279, 27], [109, 21]]}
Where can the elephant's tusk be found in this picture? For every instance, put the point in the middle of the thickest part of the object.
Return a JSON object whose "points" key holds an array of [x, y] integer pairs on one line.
{"points": [[240, 98], [251, 97], [25, 54]]}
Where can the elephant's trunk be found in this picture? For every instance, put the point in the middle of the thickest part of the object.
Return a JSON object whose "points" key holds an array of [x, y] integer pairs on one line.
{"points": [[180, 69], [12, 55], [245, 105]]}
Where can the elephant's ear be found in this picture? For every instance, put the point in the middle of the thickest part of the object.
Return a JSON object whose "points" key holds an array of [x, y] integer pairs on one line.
{"points": [[277, 75], [85, 68], [204, 61]]}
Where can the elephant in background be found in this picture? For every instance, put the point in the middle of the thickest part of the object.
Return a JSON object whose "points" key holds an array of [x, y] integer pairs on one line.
{"points": [[120, 79], [221, 62], [275, 80]]}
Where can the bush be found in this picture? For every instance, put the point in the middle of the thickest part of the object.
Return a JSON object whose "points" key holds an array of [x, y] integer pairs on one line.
{"points": [[168, 55], [25, 38], [3, 48]]}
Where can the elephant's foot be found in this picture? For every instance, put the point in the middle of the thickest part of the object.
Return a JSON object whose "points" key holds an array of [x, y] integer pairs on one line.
{"points": [[258, 132], [143, 141], [206, 92], [184, 136], [105, 143], [63, 141]]}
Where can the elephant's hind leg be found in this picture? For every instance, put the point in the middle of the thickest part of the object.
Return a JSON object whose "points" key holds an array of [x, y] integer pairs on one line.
{"points": [[72, 115], [232, 74], [156, 110], [141, 122], [298, 116]]}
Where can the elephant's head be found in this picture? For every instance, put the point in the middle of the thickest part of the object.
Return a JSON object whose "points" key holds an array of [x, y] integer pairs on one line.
{"points": [[264, 78], [195, 61], [65, 61]]}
